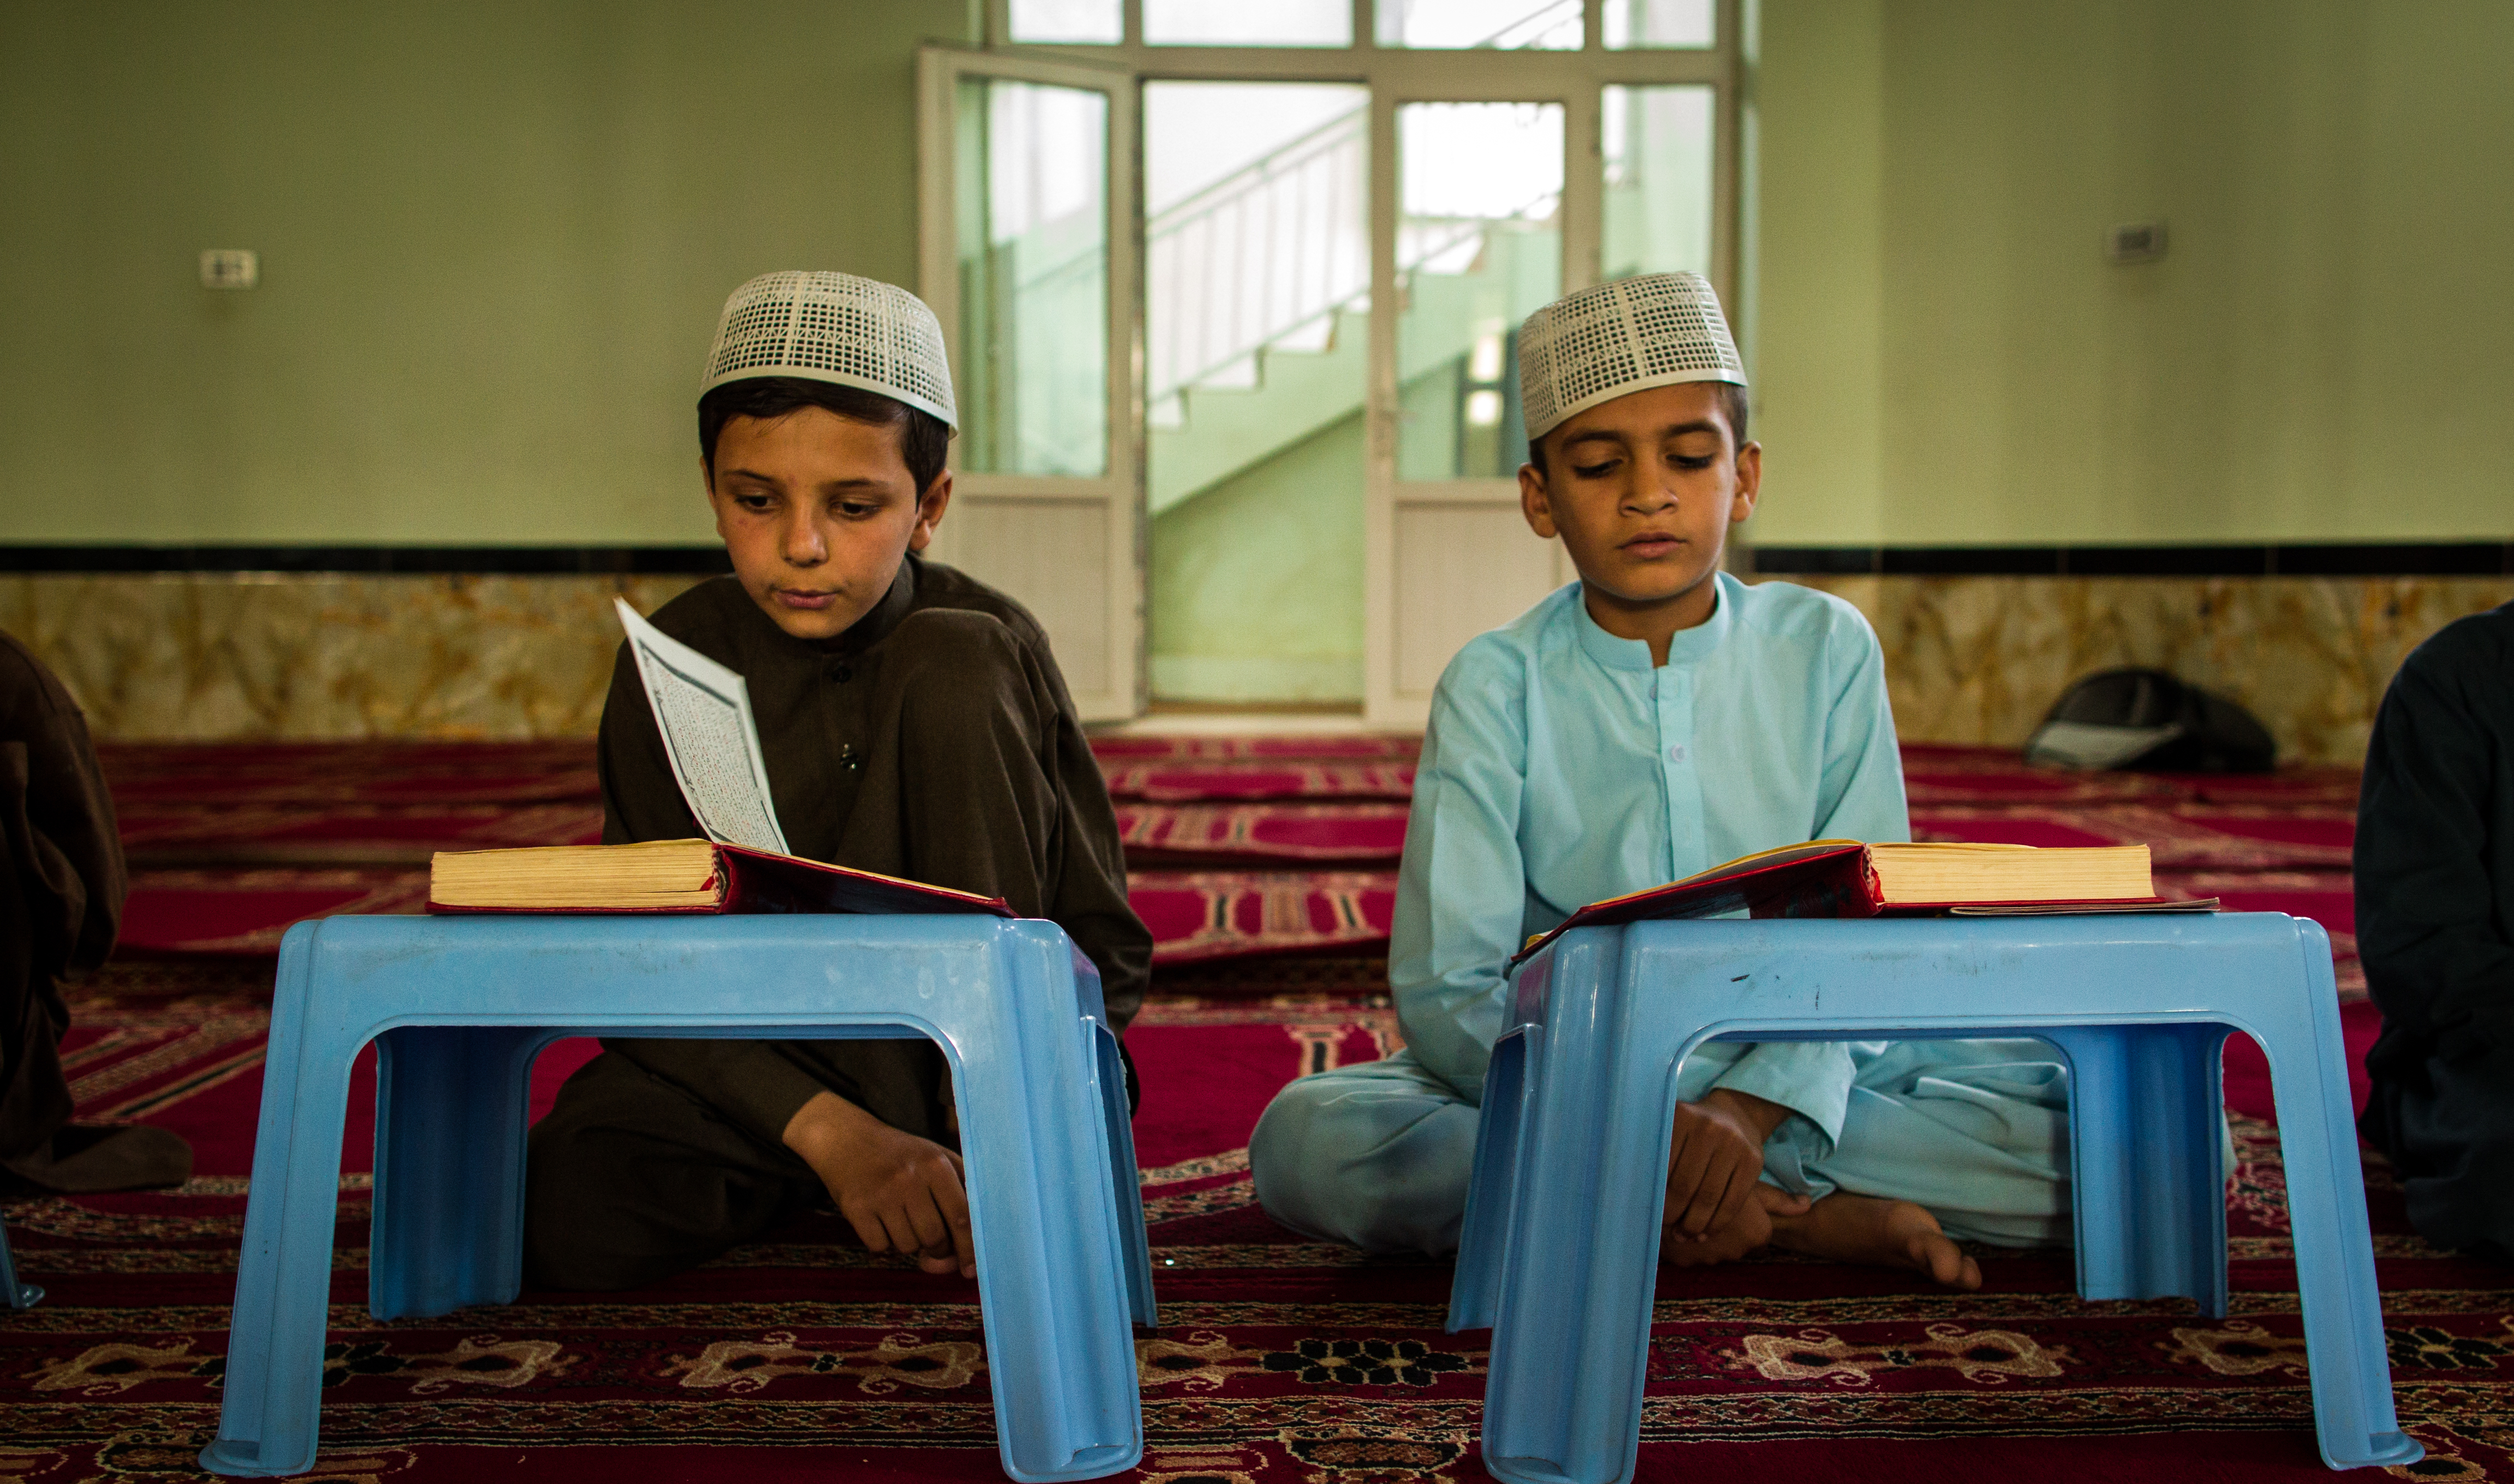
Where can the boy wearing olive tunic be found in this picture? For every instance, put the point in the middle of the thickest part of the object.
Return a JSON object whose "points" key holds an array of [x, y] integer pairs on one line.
{"points": [[912, 722]]}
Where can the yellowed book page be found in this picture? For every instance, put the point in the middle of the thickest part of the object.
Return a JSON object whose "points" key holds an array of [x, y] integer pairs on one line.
{"points": [[654, 873], [1971, 872]]}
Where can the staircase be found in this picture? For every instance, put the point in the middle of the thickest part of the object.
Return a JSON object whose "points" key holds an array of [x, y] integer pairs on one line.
{"points": [[1292, 392], [1257, 322]]}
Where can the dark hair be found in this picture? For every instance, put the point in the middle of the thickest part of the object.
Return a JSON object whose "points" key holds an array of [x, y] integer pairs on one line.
{"points": [[1732, 401], [922, 436]]}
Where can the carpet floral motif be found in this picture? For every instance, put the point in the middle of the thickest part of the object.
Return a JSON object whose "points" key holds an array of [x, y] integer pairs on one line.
{"points": [[1281, 1359]]}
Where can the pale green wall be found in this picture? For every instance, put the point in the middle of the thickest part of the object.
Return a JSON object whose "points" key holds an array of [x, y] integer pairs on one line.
{"points": [[2326, 354], [494, 239], [1256, 584], [1816, 316], [495, 236]]}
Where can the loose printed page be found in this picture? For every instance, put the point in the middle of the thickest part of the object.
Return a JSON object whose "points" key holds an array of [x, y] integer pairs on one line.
{"points": [[704, 712]]}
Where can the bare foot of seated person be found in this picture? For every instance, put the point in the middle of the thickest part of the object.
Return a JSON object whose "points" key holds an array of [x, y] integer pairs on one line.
{"points": [[1719, 1209], [901, 1193], [1865, 1229]]}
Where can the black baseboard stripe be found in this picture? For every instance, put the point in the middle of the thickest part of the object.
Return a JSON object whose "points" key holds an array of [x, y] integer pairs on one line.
{"points": [[393, 561], [2310, 559]]}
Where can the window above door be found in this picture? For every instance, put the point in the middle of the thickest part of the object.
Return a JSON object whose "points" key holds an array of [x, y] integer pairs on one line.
{"points": [[1564, 25]]}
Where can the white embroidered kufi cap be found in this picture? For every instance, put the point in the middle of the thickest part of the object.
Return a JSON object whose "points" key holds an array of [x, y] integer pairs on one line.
{"points": [[1595, 346], [835, 327]]}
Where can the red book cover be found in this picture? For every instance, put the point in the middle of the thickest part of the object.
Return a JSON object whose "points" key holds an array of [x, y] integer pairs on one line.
{"points": [[746, 880], [1822, 878]]}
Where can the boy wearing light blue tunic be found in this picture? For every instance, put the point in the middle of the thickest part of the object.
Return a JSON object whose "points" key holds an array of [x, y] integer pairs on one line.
{"points": [[1653, 719]]}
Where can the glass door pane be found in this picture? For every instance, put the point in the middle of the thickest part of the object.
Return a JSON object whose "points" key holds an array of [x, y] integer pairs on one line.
{"points": [[1238, 22], [1478, 248], [1548, 25], [1068, 21], [1657, 143], [1634, 25], [1033, 278]]}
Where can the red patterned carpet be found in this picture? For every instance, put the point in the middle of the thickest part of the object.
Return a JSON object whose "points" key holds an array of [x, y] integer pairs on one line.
{"points": [[230, 845], [1239, 845], [1282, 1361]]}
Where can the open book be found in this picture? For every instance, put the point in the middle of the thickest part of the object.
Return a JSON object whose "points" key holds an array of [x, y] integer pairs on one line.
{"points": [[1844, 878], [702, 710], [674, 877]]}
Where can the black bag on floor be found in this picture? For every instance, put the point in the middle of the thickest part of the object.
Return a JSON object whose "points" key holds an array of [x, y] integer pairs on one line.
{"points": [[2149, 721]]}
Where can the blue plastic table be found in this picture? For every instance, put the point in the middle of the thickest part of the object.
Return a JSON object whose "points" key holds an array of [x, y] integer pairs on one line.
{"points": [[1580, 1100], [459, 1007]]}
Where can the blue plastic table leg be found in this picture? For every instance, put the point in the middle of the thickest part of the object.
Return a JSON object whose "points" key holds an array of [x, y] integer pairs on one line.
{"points": [[1047, 1263], [14, 1293], [274, 1372], [451, 1104], [1038, 1255], [2147, 1162], [1125, 1180], [1484, 1237], [1570, 1336], [2349, 1364]]}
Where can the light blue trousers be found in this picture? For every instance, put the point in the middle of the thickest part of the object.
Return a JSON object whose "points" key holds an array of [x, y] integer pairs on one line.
{"points": [[1379, 1155]]}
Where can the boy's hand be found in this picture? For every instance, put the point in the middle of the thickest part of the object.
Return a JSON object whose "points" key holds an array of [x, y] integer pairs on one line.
{"points": [[901, 1193], [1750, 1232], [1715, 1160]]}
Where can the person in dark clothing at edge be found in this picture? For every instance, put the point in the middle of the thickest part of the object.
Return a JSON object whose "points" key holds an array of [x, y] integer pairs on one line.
{"points": [[2435, 928], [62, 885], [912, 722]]}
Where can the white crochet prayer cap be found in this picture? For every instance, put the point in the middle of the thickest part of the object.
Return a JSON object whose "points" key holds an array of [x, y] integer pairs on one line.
{"points": [[835, 327], [1595, 346]]}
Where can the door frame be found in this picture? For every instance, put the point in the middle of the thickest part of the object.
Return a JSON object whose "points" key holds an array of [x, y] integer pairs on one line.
{"points": [[940, 69]]}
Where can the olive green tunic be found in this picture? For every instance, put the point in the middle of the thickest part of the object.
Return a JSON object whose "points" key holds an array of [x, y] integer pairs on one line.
{"points": [[934, 741], [62, 885]]}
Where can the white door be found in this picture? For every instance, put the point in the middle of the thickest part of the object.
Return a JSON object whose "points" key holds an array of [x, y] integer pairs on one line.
{"points": [[1026, 251]]}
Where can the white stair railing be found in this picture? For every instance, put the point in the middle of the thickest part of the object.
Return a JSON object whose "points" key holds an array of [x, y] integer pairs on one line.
{"points": [[1274, 251], [1257, 257], [1270, 254]]}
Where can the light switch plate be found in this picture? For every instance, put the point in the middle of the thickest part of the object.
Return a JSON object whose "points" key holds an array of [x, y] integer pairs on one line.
{"points": [[231, 267]]}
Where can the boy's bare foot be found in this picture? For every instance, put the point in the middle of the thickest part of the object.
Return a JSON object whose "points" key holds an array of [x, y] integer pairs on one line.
{"points": [[1863, 1229], [1750, 1231]]}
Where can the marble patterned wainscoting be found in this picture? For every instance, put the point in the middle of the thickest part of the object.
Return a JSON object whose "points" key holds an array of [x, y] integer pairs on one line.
{"points": [[1981, 659], [178, 656], [237, 657]]}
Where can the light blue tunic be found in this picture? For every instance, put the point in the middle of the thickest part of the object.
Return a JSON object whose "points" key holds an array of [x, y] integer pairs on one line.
{"points": [[1561, 767]]}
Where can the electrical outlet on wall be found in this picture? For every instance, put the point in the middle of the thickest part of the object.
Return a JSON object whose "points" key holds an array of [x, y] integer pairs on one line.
{"points": [[2135, 242], [231, 267]]}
